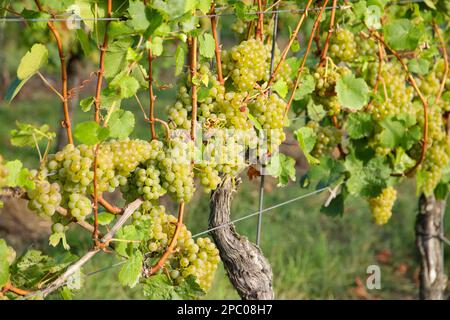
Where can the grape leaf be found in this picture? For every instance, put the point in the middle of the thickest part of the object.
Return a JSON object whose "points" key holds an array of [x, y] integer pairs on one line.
{"points": [[306, 138], [4, 265], [283, 168], [57, 237], [207, 45], [306, 86], [125, 86], [397, 133], [419, 66], [367, 180], [359, 125], [281, 88], [121, 124], [90, 133], [14, 89], [131, 271], [156, 45], [189, 289], [336, 206], [180, 55], [137, 11], [403, 34], [29, 135], [32, 61], [352, 92], [204, 5], [372, 17], [158, 287], [328, 172], [86, 104], [18, 176]]}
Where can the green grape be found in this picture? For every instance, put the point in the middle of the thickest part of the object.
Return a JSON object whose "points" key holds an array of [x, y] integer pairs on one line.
{"points": [[198, 258], [45, 198], [328, 138], [382, 205], [343, 46]]}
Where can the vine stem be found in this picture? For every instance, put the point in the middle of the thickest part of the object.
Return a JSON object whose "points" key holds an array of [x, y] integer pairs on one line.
{"points": [[260, 24], [444, 54], [101, 69], [289, 45], [67, 122], [216, 42], [162, 260], [308, 49], [330, 32], [193, 69], [108, 206], [422, 99], [151, 92], [13, 289]]}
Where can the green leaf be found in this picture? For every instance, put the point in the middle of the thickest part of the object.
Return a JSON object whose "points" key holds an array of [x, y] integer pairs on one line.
{"points": [[14, 89], [131, 271], [352, 92], [180, 55], [204, 6], [66, 293], [315, 111], [441, 191], [115, 59], [156, 45], [158, 287], [29, 135], [86, 104], [403, 34], [206, 45], [372, 17], [18, 176], [281, 87], [359, 125], [306, 138], [137, 11], [121, 124], [124, 85], [306, 86], [57, 237], [4, 264], [419, 66], [32, 61], [189, 289], [328, 172], [84, 41], [255, 122], [367, 180], [283, 168], [90, 133], [397, 133], [156, 21], [105, 218]]}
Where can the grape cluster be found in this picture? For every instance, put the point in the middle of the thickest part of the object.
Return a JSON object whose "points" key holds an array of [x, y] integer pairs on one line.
{"points": [[45, 198], [382, 205], [396, 95], [343, 46], [326, 78], [327, 139], [190, 258]]}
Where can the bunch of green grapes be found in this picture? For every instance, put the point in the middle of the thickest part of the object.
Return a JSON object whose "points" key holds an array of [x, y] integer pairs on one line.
{"points": [[145, 182], [45, 198], [396, 95], [327, 139], [79, 205], [176, 169], [435, 162], [326, 78], [3, 173], [71, 168], [382, 205], [246, 63], [269, 111], [343, 46], [190, 258]]}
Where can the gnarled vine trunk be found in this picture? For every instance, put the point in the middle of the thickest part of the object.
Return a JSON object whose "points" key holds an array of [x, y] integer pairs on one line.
{"points": [[248, 269], [429, 229]]}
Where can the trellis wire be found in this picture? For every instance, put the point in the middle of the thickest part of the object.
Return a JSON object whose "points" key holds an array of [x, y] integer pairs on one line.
{"points": [[293, 11]]}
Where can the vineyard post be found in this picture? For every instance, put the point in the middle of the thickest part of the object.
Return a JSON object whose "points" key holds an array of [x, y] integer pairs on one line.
{"points": [[429, 232]]}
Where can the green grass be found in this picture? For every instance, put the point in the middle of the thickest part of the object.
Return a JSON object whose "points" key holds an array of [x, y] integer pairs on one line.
{"points": [[313, 256]]}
